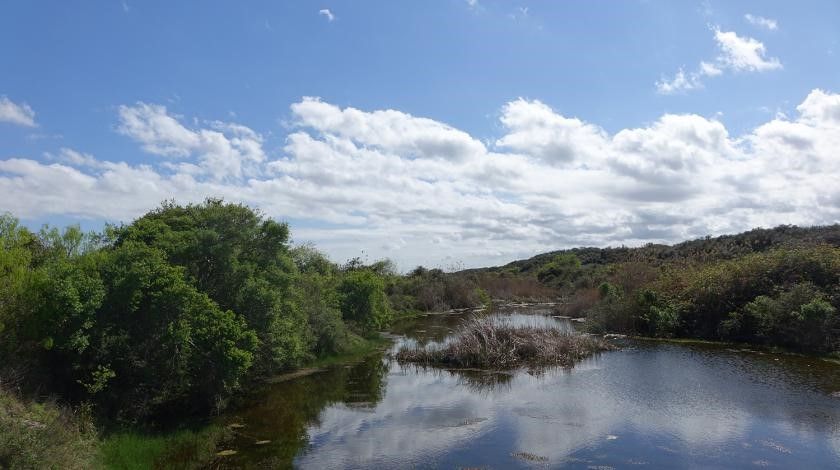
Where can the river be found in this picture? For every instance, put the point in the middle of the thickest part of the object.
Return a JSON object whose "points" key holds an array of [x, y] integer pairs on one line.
{"points": [[647, 405]]}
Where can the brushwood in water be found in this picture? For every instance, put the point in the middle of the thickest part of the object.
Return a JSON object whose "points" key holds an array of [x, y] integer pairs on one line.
{"points": [[481, 342]]}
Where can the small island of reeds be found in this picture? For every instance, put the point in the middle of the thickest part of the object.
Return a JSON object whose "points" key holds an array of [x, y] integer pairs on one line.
{"points": [[482, 342]]}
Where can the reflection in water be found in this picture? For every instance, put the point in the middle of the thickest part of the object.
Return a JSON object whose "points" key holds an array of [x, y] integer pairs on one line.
{"points": [[649, 404]]}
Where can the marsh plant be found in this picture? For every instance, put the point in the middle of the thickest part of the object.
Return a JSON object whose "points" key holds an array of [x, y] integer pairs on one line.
{"points": [[483, 342]]}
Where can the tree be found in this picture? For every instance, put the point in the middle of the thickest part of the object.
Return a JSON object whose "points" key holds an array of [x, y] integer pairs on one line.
{"points": [[157, 342], [363, 301], [562, 270], [242, 261]]}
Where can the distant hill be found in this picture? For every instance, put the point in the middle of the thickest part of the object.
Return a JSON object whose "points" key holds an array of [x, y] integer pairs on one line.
{"points": [[700, 250]]}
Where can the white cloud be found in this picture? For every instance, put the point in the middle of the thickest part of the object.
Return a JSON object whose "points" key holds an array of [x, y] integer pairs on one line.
{"points": [[767, 23], [709, 69], [224, 150], [743, 53], [425, 192], [20, 114], [389, 130], [536, 130], [681, 82], [74, 158], [736, 54], [327, 14]]}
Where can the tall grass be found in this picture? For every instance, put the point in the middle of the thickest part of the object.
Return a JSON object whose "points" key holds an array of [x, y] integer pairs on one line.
{"points": [[45, 435], [484, 343], [185, 449]]}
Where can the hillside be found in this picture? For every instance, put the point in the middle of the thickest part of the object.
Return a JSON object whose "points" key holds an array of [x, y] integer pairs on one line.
{"points": [[699, 250]]}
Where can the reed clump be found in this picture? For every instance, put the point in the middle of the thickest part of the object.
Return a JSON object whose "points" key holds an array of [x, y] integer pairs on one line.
{"points": [[482, 342]]}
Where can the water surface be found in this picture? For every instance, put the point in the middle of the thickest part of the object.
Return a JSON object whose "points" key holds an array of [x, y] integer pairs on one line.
{"points": [[647, 405]]}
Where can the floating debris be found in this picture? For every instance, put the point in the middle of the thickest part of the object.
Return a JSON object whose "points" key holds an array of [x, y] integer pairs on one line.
{"points": [[236, 426], [529, 457], [469, 421], [260, 443], [226, 453], [775, 446]]}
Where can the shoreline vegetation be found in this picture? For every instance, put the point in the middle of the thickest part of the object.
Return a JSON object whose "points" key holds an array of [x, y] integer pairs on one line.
{"points": [[112, 342], [481, 342]]}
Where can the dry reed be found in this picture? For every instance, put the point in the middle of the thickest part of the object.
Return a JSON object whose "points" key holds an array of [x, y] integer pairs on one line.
{"points": [[484, 343]]}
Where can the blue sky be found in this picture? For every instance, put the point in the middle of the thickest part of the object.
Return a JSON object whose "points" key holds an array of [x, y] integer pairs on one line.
{"points": [[469, 107]]}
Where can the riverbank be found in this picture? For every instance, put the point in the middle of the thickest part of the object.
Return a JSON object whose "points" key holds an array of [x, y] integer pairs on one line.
{"points": [[45, 434], [740, 347]]}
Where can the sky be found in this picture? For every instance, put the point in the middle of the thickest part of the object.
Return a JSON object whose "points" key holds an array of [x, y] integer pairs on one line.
{"points": [[451, 133]]}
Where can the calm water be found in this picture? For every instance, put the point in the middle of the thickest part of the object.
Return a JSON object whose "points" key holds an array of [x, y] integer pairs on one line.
{"points": [[648, 405]]}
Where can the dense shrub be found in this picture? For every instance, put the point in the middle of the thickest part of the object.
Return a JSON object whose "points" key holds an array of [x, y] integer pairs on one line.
{"points": [[363, 301], [785, 297], [562, 270], [241, 260], [170, 314]]}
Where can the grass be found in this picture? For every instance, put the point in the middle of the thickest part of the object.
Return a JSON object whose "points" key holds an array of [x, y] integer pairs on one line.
{"points": [[45, 435], [51, 436], [184, 449], [483, 343]]}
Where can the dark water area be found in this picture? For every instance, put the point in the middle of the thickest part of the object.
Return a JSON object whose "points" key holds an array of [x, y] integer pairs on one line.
{"points": [[647, 405]]}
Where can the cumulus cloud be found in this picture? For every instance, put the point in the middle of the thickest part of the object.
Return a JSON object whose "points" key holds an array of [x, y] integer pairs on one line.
{"points": [[735, 53], [20, 114], [388, 130], [743, 53], [760, 21], [422, 191], [326, 13], [535, 129], [224, 150]]}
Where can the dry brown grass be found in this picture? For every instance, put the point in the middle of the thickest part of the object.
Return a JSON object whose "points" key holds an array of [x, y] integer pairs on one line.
{"points": [[579, 302], [484, 343], [516, 288]]}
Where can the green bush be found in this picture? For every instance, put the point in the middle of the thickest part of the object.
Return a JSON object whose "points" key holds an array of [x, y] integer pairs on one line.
{"points": [[363, 301], [798, 318], [562, 270], [242, 261], [786, 297]]}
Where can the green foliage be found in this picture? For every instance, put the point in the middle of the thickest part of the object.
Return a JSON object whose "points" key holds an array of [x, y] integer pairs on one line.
{"points": [[241, 261], [363, 301], [786, 297], [170, 314], [183, 449], [483, 297], [798, 317], [562, 270], [129, 333], [609, 292], [15, 277]]}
